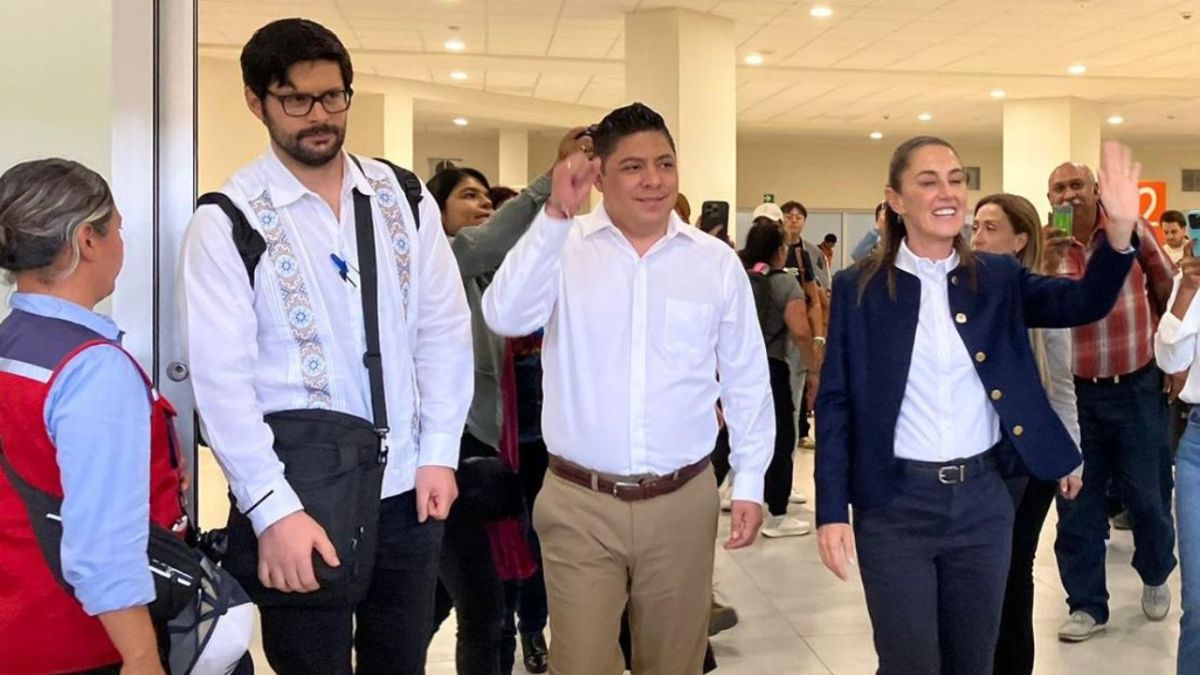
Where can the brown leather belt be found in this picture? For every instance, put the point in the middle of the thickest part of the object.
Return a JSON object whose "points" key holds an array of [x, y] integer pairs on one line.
{"points": [[629, 489]]}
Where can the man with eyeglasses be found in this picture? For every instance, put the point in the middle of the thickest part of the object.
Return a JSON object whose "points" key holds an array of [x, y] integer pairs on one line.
{"points": [[291, 336]]}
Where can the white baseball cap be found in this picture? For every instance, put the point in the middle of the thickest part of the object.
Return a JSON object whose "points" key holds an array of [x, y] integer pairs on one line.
{"points": [[771, 211]]}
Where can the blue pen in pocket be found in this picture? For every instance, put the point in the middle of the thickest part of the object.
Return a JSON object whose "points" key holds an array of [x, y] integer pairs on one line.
{"points": [[343, 269]]}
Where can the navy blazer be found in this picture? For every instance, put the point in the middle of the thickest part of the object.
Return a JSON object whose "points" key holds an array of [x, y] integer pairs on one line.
{"points": [[870, 346]]}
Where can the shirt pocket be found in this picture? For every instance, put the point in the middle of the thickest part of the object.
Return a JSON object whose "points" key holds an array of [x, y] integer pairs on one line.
{"points": [[687, 327]]}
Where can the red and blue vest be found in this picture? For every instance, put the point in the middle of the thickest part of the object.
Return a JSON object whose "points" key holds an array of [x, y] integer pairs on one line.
{"points": [[43, 628]]}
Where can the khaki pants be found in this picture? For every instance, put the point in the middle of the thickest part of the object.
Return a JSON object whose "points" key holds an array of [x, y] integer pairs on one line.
{"points": [[601, 553]]}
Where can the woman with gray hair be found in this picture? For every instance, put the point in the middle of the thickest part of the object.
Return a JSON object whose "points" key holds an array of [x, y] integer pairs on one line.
{"points": [[81, 423]]}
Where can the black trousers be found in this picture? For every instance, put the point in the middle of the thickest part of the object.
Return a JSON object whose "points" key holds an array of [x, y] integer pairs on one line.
{"points": [[777, 486], [934, 564], [1015, 647], [389, 630], [467, 581], [526, 599]]}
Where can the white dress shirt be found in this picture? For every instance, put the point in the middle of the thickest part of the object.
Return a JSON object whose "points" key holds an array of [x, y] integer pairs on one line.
{"points": [[945, 413], [633, 346], [296, 340], [1176, 347]]}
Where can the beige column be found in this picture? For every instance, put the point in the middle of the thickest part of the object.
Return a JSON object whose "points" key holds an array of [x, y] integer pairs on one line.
{"points": [[398, 130], [514, 159], [1040, 134], [683, 64]]}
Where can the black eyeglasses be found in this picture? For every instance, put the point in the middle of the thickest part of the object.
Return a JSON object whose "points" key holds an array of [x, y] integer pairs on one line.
{"points": [[299, 105]]}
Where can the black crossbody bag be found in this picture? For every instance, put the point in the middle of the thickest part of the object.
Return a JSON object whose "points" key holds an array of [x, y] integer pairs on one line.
{"points": [[335, 463]]}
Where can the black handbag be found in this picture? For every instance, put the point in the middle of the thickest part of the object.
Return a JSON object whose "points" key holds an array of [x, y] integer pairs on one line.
{"points": [[488, 489], [174, 565], [335, 464]]}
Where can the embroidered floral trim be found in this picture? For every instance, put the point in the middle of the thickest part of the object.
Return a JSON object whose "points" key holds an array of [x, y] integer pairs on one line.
{"points": [[389, 206], [296, 302]]}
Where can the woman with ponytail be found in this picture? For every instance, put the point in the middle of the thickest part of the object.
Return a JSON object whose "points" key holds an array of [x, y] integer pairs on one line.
{"points": [[1008, 224], [931, 397]]}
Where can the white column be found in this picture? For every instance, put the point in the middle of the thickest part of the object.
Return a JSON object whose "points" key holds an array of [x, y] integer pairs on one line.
{"points": [[514, 159], [1039, 135], [683, 64], [398, 130]]}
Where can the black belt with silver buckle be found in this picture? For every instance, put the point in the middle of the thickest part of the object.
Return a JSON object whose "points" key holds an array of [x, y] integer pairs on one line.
{"points": [[954, 472]]}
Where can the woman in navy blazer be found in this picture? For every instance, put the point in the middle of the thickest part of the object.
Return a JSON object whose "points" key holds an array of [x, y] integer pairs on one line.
{"points": [[930, 396]]}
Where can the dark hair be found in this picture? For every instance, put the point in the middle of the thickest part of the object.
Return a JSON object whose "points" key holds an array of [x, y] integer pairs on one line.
{"points": [[43, 203], [1173, 217], [894, 231], [831, 238], [443, 184], [1023, 217], [622, 122], [498, 194], [763, 242], [879, 208], [792, 206], [281, 44], [683, 207]]}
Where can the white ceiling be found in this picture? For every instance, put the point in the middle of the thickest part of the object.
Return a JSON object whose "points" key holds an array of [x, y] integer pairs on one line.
{"points": [[873, 65]]}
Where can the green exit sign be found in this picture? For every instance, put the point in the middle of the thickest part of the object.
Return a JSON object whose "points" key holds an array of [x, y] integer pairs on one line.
{"points": [[768, 198]]}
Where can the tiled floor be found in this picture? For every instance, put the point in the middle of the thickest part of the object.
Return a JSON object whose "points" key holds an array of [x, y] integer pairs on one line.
{"points": [[797, 618]]}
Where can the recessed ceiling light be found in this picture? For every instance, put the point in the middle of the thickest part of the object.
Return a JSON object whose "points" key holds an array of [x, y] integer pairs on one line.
{"points": [[460, 122], [821, 12], [454, 45], [458, 75], [1077, 69], [877, 135], [999, 93], [754, 59], [1116, 119], [925, 117]]}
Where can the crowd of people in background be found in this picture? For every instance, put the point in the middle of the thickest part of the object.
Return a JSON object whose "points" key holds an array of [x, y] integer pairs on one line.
{"points": [[549, 403]]}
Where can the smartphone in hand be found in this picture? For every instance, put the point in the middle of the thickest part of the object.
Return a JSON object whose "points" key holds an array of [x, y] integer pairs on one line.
{"points": [[1063, 219], [1193, 219]]}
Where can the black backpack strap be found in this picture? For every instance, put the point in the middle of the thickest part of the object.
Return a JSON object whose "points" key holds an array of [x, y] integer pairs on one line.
{"points": [[408, 182], [250, 244]]}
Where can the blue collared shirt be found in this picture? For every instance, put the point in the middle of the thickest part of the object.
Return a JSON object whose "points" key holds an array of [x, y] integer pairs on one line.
{"points": [[98, 415]]}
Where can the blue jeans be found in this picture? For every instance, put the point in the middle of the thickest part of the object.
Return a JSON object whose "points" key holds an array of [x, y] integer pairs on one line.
{"points": [[1187, 487], [1124, 437]]}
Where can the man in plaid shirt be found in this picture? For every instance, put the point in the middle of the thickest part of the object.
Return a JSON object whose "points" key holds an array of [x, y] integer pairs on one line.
{"points": [[1122, 418]]}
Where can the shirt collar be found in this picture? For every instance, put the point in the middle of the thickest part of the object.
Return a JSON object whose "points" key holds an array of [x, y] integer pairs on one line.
{"points": [[52, 307], [917, 266], [286, 189], [599, 220]]}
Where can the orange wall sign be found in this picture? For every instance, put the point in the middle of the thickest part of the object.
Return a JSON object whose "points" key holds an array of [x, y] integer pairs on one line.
{"points": [[1153, 194]]}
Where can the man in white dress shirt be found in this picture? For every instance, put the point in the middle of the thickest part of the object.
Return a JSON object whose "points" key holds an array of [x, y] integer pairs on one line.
{"points": [[642, 313], [291, 336]]}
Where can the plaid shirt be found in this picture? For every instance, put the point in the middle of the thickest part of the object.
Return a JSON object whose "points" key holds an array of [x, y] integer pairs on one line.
{"points": [[1123, 341]]}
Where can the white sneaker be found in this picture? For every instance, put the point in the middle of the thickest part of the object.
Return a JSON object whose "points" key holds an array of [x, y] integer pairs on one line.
{"points": [[1156, 602], [784, 526], [1080, 626], [797, 497]]}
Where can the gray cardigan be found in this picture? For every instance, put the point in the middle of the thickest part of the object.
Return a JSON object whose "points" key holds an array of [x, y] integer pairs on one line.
{"points": [[479, 250]]}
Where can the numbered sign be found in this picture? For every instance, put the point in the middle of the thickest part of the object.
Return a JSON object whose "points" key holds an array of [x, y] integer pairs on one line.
{"points": [[1153, 196]]}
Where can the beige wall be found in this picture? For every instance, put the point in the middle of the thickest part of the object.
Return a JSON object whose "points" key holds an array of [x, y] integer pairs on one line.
{"points": [[58, 85], [829, 176], [230, 135], [1166, 163]]}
